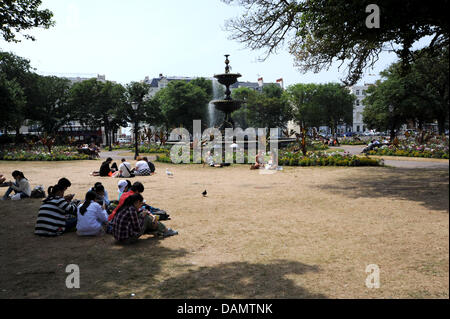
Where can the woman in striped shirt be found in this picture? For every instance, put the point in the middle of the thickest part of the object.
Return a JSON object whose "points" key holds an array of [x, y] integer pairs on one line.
{"points": [[57, 214]]}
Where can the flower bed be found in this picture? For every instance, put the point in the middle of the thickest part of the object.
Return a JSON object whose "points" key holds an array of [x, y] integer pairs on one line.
{"points": [[351, 141], [326, 159], [311, 159], [437, 147], [39, 153]]}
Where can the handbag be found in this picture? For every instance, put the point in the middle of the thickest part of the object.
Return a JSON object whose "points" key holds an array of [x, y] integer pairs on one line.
{"points": [[129, 172]]}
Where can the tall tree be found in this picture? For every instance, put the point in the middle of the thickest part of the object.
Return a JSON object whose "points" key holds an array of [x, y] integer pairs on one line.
{"points": [[428, 81], [305, 109], [387, 106], [337, 104], [182, 102], [15, 79], [241, 116], [320, 32], [19, 15], [99, 104], [49, 104], [12, 104]]}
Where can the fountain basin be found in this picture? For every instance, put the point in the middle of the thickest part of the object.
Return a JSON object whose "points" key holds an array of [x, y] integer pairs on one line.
{"points": [[227, 78], [227, 106]]}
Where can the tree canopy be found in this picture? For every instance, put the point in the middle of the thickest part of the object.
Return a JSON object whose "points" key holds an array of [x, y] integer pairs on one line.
{"points": [[315, 105], [19, 15], [320, 32], [420, 95]]}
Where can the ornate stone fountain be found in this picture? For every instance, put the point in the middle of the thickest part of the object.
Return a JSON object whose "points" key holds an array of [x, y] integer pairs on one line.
{"points": [[227, 105]]}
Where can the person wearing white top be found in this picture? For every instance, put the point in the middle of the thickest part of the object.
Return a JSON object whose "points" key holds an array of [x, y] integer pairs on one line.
{"points": [[124, 169], [91, 216], [21, 187], [142, 168]]}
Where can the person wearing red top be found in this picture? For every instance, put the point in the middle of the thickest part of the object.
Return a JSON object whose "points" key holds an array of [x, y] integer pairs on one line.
{"points": [[136, 188]]}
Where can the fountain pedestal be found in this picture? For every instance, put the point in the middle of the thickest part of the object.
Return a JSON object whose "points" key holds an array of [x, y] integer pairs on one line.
{"points": [[227, 105]]}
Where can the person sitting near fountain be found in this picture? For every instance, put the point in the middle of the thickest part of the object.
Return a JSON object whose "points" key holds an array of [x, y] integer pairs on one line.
{"points": [[259, 161], [273, 162], [210, 161], [142, 167]]}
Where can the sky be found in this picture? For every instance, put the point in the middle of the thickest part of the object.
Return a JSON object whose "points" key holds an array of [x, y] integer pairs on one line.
{"points": [[126, 41]]}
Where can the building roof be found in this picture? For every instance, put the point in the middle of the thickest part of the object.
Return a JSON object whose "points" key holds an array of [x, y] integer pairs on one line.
{"points": [[154, 82]]}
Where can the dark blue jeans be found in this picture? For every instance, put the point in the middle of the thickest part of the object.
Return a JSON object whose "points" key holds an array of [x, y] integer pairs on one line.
{"points": [[71, 224], [10, 190]]}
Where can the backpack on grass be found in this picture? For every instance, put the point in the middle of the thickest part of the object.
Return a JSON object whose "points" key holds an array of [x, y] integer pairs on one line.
{"points": [[38, 192]]}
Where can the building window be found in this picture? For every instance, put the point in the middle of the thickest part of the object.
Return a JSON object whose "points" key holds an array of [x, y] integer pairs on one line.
{"points": [[357, 92], [357, 102], [357, 128]]}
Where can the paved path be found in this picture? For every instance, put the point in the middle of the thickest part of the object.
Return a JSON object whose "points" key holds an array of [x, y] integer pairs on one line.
{"points": [[419, 163], [115, 155]]}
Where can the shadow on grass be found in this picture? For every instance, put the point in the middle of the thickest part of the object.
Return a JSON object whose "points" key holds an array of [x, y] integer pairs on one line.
{"points": [[429, 187], [35, 267], [240, 280]]}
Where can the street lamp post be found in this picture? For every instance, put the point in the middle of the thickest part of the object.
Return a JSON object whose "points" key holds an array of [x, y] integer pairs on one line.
{"points": [[109, 133], [135, 107]]}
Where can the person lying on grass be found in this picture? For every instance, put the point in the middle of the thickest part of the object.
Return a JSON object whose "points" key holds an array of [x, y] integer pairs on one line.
{"points": [[21, 187], [91, 216], [130, 222], [57, 214]]}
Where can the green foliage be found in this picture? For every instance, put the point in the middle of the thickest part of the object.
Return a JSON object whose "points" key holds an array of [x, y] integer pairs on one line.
{"points": [[182, 102], [266, 110], [419, 95], [320, 32], [18, 15], [314, 105], [49, 103]]}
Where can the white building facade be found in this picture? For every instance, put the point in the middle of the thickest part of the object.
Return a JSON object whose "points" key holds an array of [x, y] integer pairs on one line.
{"points": [[360, 92]]}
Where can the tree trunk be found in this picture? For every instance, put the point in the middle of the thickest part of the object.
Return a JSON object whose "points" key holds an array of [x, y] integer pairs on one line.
{"points": [[441, 125]]}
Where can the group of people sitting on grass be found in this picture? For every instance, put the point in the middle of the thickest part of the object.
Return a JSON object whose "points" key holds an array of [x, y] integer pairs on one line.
{"points": [[143, 168], [130, 219]]}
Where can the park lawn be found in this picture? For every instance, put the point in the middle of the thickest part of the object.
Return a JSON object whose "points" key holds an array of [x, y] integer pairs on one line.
{"points": [[299, 233]]}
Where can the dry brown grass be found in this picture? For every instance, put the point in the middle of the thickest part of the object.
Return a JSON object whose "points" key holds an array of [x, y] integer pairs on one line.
{"points": [[300, 233]]}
